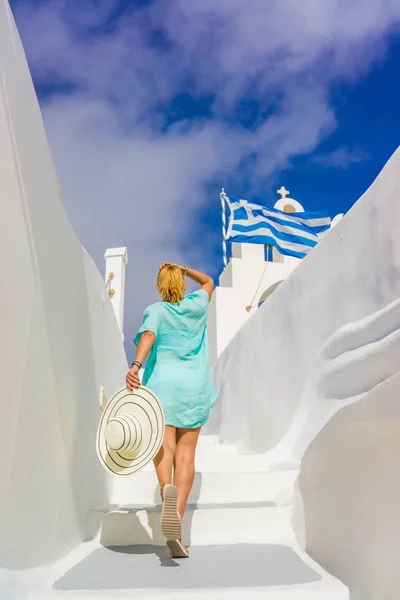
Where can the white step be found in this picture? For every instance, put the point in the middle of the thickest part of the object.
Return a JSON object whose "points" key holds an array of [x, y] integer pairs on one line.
{"points": [[236, 572], [209, 487], [210, 443], [208, 461], [203, 526], [317, 591]]}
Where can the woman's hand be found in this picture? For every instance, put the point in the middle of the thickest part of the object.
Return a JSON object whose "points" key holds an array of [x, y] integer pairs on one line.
{"points": [[132, 378], [169, 264]]}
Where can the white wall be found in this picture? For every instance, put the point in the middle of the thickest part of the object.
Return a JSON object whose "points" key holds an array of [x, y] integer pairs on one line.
{"points": [[116, 261], [353, 272], [60, 339], [323, 342], [349, 490], [243, 281]]}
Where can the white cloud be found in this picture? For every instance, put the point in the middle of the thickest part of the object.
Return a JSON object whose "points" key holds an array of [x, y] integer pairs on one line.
{"points": [[134, 190], [129, 179], [341, 158]]}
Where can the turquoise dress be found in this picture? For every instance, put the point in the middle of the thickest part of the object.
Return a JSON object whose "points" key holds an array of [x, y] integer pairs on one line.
{"points": [[178, 369]]}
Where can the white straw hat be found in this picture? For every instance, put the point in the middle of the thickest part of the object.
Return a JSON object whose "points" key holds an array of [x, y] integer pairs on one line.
{"points": [[130, 432]]}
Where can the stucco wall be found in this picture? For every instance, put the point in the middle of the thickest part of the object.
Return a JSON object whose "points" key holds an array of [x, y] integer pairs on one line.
{"points": [[243, 281], [313, 376], [349, 495], [59, 339], [263, 375]]}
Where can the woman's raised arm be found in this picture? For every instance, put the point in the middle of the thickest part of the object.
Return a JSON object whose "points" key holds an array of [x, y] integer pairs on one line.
{"points": [[202, 279]]}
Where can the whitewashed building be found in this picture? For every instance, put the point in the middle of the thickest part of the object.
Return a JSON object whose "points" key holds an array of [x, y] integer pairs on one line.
{"points": [[252, 274]]}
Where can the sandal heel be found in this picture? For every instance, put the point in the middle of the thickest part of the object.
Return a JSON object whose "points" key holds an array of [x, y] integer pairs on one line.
{"points": [[171, 524], [177, 549]]}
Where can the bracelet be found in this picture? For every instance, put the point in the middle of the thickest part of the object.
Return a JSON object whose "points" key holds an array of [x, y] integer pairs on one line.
{"points": [[137, 363], [185, 271]]}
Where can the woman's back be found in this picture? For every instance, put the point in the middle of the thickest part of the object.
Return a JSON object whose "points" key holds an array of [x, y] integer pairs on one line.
{"points": [[182, 326], [178, 368]]}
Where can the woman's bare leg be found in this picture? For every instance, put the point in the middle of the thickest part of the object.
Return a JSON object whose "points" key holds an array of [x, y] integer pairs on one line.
{"points": [[186, 442], [164, 459]]}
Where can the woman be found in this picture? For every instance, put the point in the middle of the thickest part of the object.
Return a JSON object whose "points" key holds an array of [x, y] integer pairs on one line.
{"points": [[174, 337]]}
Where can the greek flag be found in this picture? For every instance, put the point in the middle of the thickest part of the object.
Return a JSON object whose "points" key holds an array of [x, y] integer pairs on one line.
{"points": [[293, 234]]}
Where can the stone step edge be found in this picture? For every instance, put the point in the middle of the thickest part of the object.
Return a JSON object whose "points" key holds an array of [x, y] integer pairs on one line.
{"points": [[190, 506], [96, 517], [213, 488], [199, 528], [313, 591], [256, 464]]}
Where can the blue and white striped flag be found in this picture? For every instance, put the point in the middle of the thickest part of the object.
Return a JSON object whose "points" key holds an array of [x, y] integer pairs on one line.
{"points": [[294, 234]]}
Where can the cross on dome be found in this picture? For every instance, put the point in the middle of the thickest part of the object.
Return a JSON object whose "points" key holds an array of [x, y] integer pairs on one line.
{"points": [[283, 192]]}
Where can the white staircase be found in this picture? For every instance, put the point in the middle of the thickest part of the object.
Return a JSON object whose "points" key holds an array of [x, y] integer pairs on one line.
{"points": [[238, 526]]}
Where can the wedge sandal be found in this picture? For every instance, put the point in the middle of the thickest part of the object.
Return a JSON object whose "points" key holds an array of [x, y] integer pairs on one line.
{"points": [[171, 523]]}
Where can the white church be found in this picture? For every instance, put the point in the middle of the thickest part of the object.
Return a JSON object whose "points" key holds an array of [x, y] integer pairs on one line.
{"points": [[296, 493], [253, 273]]}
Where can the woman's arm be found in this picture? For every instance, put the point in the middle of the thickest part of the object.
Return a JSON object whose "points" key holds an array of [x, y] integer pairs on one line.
{"points": [[146, 343], [202, 279]]}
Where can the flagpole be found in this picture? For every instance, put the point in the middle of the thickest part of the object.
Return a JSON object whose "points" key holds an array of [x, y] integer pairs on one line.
{"points": [[223, 207]]}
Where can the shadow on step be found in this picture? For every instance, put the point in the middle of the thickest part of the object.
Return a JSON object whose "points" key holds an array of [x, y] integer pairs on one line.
{"points": [[227, 566]]}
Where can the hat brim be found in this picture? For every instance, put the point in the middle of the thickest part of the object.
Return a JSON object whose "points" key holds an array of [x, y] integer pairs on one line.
{"points": [[148, 411]]}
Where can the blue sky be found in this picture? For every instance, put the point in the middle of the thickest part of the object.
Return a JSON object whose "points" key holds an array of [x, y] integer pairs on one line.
{"points": [[151, 107]]}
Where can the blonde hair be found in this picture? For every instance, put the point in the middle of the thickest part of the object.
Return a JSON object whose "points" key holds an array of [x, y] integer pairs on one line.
{"points": [[171, 284]]}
